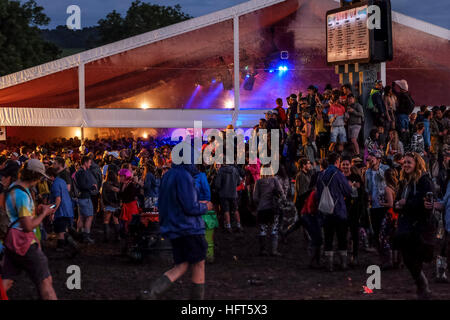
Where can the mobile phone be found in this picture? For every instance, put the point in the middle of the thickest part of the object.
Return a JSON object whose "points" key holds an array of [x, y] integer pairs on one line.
{"points": [[53, 206], [430, 196]]}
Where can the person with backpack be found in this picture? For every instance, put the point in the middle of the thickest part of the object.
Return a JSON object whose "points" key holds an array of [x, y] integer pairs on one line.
{"points": [[8, 175], [23, 251], [332, 189]]}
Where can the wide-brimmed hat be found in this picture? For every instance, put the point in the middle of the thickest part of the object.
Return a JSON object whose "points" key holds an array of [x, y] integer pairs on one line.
{"points": [[36, 166], [402, 84]]}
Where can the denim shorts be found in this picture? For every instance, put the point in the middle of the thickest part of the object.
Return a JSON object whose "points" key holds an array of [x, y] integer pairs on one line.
{"points": [[86, 207], [111, 209], [338, 132]]}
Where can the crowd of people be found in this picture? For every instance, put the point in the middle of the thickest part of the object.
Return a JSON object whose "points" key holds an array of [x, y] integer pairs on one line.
{"points": [[387, 194]]}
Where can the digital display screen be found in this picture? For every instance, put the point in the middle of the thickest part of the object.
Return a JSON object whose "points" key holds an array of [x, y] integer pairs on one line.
{"points": [[348, 37]]}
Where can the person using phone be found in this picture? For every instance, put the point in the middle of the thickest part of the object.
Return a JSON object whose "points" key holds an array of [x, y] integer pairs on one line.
{"points": [[23, 251], [415, 235]]}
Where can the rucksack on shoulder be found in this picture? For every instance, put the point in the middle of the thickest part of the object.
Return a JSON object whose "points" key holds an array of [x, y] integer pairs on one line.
{"points": [[370, 104], [327, 203], [5, 222]]}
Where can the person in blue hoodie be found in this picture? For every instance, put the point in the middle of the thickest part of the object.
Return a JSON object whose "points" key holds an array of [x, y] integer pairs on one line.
{"points": [[336, 222], [180, 215], [202, 185]]}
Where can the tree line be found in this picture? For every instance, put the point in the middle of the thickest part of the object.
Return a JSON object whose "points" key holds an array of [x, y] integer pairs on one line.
{"points": [[25, 43]]}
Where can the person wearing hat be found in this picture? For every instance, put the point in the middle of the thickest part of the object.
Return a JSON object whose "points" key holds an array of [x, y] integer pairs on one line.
{"points": [[405, 107], [375, 188], [15, 157], [23, 251]]}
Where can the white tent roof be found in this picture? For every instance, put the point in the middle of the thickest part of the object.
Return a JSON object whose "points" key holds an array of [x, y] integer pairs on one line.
{"points": [[148, 118]]}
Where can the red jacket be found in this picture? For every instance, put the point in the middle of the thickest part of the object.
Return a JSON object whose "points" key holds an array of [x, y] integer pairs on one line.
{"points": [[281, 114]]}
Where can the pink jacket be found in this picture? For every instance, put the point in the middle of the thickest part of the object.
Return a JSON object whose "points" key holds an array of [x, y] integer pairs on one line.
{"points": [[255, 170]]}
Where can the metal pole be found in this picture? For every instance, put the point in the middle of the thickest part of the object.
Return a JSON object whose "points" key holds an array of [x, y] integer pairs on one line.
{"points": [[237, 73], [383, 73], [82, 94]]}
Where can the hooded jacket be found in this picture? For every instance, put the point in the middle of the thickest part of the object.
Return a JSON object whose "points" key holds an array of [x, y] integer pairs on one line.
{"points": [[180, 213], [339, 189], [227, 180]]}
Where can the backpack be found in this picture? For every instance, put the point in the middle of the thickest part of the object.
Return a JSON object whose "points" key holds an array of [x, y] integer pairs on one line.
{"points": [[370, 104], [5, 223], [326, 203]]}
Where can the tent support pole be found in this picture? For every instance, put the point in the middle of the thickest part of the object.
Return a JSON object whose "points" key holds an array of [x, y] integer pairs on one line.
{"points": [[237, 73], [383, 73], [82, 95]]}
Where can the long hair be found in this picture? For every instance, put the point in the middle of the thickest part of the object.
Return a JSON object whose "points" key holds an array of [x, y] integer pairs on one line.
{"points": [[419, 169], [394, 143], [391, 178], [111, 176]]}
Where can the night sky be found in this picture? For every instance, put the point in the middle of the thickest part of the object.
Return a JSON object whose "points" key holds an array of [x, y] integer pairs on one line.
{"points": [[434, 11]]}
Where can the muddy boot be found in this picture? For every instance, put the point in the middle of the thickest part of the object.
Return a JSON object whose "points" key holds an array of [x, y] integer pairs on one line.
{"points": [[105, 232], [197, 291], [343, 257], [72, 243], [262, 246], [329, 260], [274, 251], [158, 288], [423, 290], [87, 238], [75, 234], [314, 263], [441, 267], [116, 233]]}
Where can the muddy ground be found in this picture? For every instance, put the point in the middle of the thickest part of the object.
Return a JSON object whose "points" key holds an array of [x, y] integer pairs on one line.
{"points": [[106, 275]]}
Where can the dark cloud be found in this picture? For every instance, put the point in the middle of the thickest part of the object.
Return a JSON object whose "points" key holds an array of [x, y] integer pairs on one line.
{"points": [[435, 12]]}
